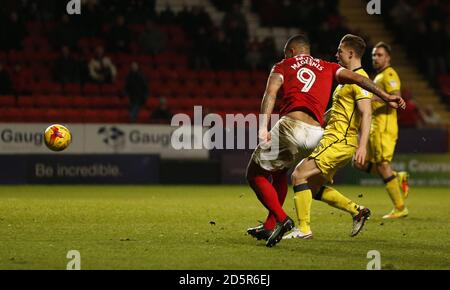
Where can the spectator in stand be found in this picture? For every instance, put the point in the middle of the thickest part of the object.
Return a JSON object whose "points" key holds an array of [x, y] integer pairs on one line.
{"points": [[167, 16], [198, 19], [235, 27], [12, 33], [5, 81], [152, 40], [410, 117], [140, 10], [430, 24], [436, 59], [401, 15], [119, 36], [269, 52], [184, 16], [101, 68], [254, 55], [200, 57], [65, 33], [91, 19], [161, 114], [221, 47], [430, 118], [67, 68], [136, 88], [21, 78]]}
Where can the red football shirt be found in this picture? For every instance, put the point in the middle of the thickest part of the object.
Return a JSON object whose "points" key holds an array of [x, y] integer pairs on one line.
{"points": [[307, 83]]}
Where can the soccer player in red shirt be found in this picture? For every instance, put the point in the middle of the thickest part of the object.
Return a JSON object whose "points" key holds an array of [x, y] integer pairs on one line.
{"points": [[306, 83]]}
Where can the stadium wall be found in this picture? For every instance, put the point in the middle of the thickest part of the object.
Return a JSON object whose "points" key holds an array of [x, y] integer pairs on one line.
{"points": [[142, 154]]}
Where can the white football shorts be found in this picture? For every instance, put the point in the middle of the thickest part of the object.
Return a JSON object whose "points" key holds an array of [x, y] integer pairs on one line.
{"points": [[291, 141]]}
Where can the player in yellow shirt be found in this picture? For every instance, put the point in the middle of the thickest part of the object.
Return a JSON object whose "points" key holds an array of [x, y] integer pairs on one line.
{"points": [[384, 132], [350, 112]]}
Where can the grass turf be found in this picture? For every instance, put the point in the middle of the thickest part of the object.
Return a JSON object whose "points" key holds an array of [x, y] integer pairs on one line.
{"points": [[203, 227]]}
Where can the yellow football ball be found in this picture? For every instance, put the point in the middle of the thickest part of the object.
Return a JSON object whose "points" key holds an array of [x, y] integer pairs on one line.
{"points": [[57, 137]]}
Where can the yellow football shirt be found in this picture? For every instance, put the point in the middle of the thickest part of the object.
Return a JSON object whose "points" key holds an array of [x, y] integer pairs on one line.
{"points": [[384, 118], [345, 118]]}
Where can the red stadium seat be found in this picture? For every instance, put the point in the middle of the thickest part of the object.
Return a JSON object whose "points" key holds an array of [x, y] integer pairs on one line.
{"points": [[63, 101], [110, 116], [94, 116], [81, 102], [165, 59], [34, 115], [144, 116], [168, 75], [179, 91], [25, 101], [123, 102], [7, 101], [34, 27], [88, 45], [219, 93], [258, 76], [115, 116], [103, 102], [241, 75], [224, 76], [43, 101], [54, 116], [91, 90], [42, 74], [110, 90], [72, 89], [71, 116], [191, 77], [152, 103], [47, 88]]}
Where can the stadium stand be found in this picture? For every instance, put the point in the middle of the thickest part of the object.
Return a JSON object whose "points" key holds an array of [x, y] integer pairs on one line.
{"points": [[230, 70]]}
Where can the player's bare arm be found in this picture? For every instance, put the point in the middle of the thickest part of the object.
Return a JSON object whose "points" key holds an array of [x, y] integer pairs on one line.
{"points": [[365, 109], [346, 76], [268, 103], [375, 98]]}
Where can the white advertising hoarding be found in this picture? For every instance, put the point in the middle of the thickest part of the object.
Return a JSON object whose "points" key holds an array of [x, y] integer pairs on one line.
{"points": [[22, 138]]}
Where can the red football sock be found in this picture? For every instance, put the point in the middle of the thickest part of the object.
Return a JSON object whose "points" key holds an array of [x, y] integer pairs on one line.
{"points": [[280, 183], [268, 196]]}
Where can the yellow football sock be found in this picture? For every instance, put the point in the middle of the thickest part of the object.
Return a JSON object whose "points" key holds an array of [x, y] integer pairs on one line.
{"points": [[337, 200], [302, 201], [393, 189]]}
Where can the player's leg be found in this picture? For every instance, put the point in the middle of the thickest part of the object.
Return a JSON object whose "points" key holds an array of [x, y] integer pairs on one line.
{"points": [[334, 198], [258, 180], [303, 193], [402, 176], [280, 183], [368, 167], [393, 188], [403, 179], [335, 155], [380, 149], [302, 202]]}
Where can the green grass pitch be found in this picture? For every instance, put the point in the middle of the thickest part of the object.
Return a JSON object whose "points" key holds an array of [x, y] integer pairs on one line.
{"points": [[204, 227]]}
